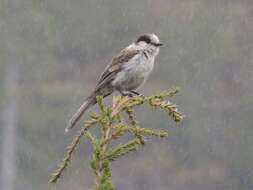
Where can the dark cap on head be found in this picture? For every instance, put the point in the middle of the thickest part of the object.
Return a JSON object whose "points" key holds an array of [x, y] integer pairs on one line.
{"points": [[149, 39], [145, 37]]}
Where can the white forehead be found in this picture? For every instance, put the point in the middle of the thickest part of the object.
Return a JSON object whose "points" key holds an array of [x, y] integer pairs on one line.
{"points": [[154, 38]]}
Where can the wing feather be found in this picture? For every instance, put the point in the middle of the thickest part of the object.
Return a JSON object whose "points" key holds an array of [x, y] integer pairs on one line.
{"points": [[115, 66]]}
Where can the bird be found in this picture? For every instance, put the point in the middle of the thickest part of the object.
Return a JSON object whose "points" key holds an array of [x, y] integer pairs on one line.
{"points": [[126, 72]]}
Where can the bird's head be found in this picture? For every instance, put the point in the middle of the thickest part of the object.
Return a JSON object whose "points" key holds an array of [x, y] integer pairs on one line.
{"points": [[150, 42]]}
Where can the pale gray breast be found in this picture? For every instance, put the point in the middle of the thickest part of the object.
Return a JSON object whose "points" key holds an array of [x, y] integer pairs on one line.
{"points": [[135, 72]]}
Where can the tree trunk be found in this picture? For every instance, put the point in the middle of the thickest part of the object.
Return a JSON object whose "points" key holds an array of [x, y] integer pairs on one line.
{"points": [[9, 128]]}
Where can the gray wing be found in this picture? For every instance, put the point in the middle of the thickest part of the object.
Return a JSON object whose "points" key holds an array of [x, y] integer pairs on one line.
{"points": [[115, 66]]}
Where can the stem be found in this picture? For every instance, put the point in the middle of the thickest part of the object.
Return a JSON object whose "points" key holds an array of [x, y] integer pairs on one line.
{"points": [[100, 162]]}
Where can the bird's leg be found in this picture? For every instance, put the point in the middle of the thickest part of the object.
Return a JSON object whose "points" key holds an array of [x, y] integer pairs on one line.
{"points": [[136, 93], [124, 93]]}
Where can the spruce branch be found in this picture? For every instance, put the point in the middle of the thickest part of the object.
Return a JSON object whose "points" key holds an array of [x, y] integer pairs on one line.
{"points": [[169, 107], [113, 126], [148, 132], [122, 149], [124, 103], [70, 150], [134, 123]]}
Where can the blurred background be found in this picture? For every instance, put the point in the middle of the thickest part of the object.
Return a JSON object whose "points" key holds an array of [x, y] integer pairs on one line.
{"points": [[52, 52]]}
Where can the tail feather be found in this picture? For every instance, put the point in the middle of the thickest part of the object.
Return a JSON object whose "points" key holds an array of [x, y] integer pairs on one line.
{"points": [[77, 116]]}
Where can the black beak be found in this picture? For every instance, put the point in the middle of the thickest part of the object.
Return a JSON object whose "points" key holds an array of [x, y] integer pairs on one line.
{"points": [[159, 44]]}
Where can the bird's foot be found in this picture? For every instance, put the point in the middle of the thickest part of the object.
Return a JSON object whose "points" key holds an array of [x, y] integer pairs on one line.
{"points": [[137, 93], [126, 93], [131, 93]]}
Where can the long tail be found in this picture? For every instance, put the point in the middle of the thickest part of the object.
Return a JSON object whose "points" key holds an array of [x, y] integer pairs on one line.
{"points": [[90, 101]]}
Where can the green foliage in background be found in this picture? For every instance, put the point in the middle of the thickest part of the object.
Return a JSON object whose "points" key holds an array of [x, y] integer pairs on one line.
{"points": [[113, 125]]}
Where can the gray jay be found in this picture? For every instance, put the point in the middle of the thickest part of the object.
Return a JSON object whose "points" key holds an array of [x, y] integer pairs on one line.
{"points": [[126, 72]]}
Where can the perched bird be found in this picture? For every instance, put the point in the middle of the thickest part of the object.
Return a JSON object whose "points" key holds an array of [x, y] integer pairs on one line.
{"points": [[127, 71]]}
